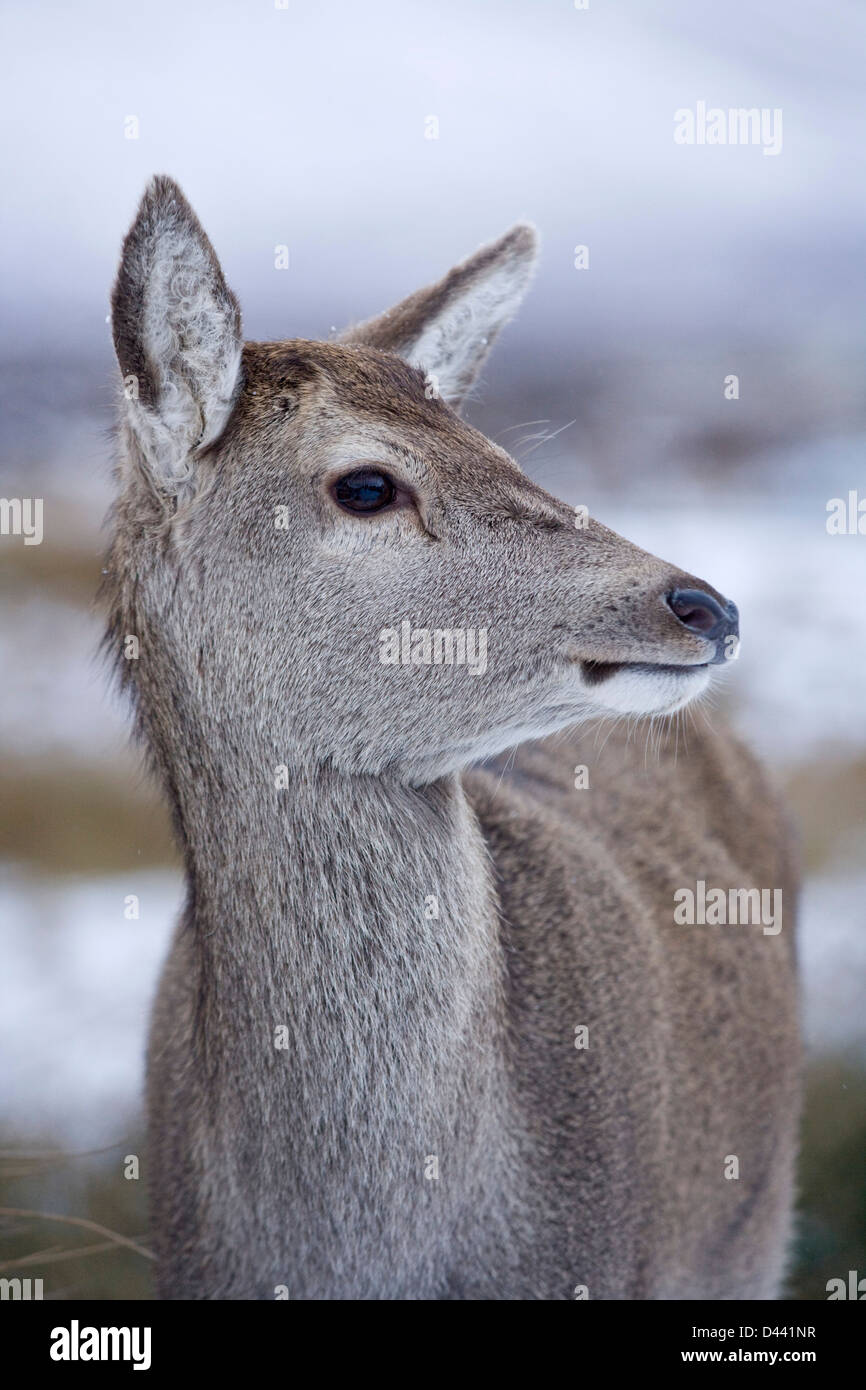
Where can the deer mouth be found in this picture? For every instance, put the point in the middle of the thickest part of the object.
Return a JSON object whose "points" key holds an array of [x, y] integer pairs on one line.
{"points": [[596, 672]]}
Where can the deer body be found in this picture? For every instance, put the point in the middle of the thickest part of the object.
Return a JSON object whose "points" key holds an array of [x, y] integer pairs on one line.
{"points": [[363, 1078]]}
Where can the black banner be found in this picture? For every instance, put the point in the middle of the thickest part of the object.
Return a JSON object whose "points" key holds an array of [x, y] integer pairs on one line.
{"points": [[146, 1338]]}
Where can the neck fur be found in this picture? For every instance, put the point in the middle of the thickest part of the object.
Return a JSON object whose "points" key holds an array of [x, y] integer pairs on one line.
{"points": [[356, 916]]}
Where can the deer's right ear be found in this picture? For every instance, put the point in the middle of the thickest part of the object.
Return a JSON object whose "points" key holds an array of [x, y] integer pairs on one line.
{"points": [[177, 335], [448, 328]]}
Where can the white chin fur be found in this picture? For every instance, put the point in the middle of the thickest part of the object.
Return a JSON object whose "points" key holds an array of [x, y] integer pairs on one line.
{"points": [[631, 691]]}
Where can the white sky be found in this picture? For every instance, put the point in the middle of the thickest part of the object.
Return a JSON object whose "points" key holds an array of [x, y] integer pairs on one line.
{"points": [[305, 127]]}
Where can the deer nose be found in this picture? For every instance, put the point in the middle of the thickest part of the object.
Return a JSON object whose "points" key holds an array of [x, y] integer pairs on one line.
{"points": [[705, 615]]}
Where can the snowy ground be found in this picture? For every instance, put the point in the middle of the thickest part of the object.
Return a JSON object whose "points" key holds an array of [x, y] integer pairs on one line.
{"points": [[75, 989]]}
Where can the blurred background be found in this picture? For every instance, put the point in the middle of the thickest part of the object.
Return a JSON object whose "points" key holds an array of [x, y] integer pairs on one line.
{"points": [[380, 143]]}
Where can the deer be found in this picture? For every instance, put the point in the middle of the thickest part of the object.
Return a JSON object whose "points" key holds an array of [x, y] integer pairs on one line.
{"points": [[429, 1026]]}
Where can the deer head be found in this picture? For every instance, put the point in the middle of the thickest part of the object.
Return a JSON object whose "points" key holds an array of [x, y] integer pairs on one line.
{"points": [[326, 565]]}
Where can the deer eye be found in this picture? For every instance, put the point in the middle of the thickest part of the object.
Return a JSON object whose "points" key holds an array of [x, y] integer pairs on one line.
{"points": [[365, 490]]}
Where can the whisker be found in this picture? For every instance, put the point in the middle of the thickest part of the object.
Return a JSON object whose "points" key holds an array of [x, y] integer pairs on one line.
{"points": [[548, 437]]}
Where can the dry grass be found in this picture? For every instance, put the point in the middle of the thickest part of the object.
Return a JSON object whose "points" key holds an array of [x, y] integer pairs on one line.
{"points": [[828, 800], [59, 572], [83, 820], [55, 1203], [832, 1175]]}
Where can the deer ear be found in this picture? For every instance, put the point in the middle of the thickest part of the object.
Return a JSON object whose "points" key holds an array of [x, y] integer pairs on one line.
{"points": [[448, 329], [177, 335]]}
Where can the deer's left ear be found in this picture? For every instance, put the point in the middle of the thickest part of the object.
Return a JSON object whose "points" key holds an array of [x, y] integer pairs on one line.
{"points": [[449, 328]]}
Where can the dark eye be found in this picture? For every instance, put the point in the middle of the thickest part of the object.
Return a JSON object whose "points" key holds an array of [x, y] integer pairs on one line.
{"points": [[365, 490]]}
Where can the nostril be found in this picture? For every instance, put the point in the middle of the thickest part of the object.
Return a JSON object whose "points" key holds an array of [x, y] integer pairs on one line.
{"points": [[697, 611]]}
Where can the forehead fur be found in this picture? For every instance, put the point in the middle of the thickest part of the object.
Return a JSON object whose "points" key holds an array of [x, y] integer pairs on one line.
{"points": [[363, 380], [350, 384]]}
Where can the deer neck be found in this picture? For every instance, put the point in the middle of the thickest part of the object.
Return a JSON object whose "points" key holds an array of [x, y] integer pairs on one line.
{"points": [[348, 939]]}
